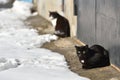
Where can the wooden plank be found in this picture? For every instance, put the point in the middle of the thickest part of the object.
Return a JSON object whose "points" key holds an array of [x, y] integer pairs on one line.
{"points": [[115, 67]]}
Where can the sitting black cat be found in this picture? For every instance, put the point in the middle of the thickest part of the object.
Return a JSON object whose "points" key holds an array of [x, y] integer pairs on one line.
{"points": [[93, 57], [62, 27]]}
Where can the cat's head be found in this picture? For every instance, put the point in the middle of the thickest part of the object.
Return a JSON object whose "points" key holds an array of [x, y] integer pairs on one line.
{"points": [[82, 51], [53, 14]]}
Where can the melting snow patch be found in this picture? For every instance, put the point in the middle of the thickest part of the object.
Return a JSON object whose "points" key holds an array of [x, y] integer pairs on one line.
{"points": [[8, 63]]}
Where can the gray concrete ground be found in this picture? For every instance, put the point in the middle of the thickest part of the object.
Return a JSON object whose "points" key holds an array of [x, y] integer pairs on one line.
{"points": [[65, 46]]}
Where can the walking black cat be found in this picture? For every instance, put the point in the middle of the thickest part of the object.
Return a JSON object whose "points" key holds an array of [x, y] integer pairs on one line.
{"points": [[92, 57], [62, 27]]}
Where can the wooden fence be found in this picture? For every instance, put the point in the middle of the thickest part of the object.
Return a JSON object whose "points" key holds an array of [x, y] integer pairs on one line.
{"points": [[99, 23]]}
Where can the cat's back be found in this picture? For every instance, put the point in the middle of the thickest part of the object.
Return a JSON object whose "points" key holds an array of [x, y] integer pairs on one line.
{"points": [[63, 25], [62, 20], [98, 48]]}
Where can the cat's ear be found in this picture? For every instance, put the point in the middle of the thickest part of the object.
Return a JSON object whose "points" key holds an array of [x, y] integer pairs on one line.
{"points": [[76, 46]]}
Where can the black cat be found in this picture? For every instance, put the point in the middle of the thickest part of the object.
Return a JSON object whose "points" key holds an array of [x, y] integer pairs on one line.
{"points": [[93, 57], [62, 27]]}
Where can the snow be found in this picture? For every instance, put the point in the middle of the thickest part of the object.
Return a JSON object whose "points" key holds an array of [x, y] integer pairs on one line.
{"points": [[24, 9], [4, 1], [21, 57]]}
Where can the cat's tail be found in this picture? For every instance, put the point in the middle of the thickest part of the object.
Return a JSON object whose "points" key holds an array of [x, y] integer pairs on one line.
{"points": [[68, 32], [106, 53]]}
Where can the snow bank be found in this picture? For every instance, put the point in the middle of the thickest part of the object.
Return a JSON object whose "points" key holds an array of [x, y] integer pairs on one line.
{"points": [[20, 55], [4, 1], [22, 8], [37, 64]]}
